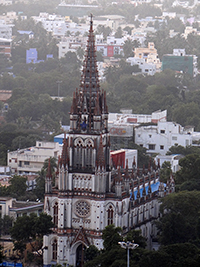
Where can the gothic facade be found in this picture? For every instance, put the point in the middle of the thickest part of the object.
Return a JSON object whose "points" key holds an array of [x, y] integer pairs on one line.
{"points": [[89, 193]]}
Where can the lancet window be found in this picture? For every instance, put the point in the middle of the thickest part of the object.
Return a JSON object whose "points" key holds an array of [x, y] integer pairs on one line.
{"points": [[55, 214], [110, 215], [54, 250]]}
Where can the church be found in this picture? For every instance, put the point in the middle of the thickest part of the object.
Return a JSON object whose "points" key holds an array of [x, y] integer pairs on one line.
{"points": [[89, 193]]}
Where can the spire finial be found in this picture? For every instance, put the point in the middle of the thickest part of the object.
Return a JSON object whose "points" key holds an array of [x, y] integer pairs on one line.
{"points": [[91, 16]]}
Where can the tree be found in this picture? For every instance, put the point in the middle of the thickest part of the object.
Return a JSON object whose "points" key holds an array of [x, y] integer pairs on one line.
{"points": [[119, 33], [128, 48], [111, 236], [30, 230], [5, 225], [190, 168], [165, 171], [17, 187], [179, 222]]}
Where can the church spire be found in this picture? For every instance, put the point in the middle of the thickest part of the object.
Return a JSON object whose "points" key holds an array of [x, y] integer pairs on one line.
{"points": [[89, 112]]}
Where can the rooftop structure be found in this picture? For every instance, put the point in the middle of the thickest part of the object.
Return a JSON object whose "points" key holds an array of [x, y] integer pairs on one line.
{"points": [[180, 62]]}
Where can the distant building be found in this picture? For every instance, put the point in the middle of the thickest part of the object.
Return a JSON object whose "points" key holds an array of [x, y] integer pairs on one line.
{"points": [[75, 10], [5, 95], [149, 54], [71, 44], [180, 62], [30, 34], [13, 208], [30, 160], [5, 47], [111, 47], [122, 124], [5, 30], [159, 138], [6, 2], [31, 55], [172, 159]]}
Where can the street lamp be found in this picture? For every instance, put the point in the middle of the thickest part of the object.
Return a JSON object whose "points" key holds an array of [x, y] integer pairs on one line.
{"points": [[128, 245]]}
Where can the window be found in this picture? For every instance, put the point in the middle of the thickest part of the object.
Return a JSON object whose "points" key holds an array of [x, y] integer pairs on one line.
{"points": [[162, 131], [174, 138], [26, 162], [152, 147], [161, 147], [138, 135], [55, 214], [54, 250], [149, 135], [110, 215]]}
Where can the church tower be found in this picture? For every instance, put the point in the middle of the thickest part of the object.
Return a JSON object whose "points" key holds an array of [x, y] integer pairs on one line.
{"points": [[77, 205], [88, 194]]}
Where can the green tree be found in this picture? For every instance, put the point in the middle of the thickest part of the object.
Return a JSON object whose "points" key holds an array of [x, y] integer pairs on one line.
{"points": [[165, 171], [31, 229], [179, 221], [17, 187], [128, 48], [119, 33], [190, 168]]}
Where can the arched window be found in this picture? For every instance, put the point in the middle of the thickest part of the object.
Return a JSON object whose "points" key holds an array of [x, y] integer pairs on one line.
{"points": [[55, 214], [110, 215], [54, 250]]}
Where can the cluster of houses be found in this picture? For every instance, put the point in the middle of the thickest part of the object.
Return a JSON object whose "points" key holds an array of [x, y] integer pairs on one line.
{"points": [[71, 36]]}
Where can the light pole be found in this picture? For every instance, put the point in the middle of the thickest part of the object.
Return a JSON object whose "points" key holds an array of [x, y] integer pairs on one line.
{"points": [[128, 245]]}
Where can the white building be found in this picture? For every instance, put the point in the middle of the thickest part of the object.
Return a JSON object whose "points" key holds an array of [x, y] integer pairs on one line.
{"points": [[146, 68], [5, 30], [173, 159], [6, 2], [30, 160], [71, 44], [159, 138]]}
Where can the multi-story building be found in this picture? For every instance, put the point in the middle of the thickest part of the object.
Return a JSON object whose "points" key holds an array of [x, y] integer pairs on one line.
{"points": [[30, 160], [159, 138], [180, 62], [5, 47], [88, 194], [70, 44], [6, 2], [5, 30], [149, 54]]}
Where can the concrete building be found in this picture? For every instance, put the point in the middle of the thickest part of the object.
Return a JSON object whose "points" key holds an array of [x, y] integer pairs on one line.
{"points": [[9, 17], [159, 138], [149, 54], [5, 30], [71, 44], [30, 160], [13, 208], [6, 2], [145, 68], [5, 47], [88, 194], [173, 159], [180, 62]]}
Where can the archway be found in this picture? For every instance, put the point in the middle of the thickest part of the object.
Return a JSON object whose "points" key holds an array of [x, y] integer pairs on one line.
{"points": [[80, 255]]}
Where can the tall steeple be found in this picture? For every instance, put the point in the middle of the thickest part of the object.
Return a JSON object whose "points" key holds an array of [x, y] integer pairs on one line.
{"points": [[89, 112]]}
